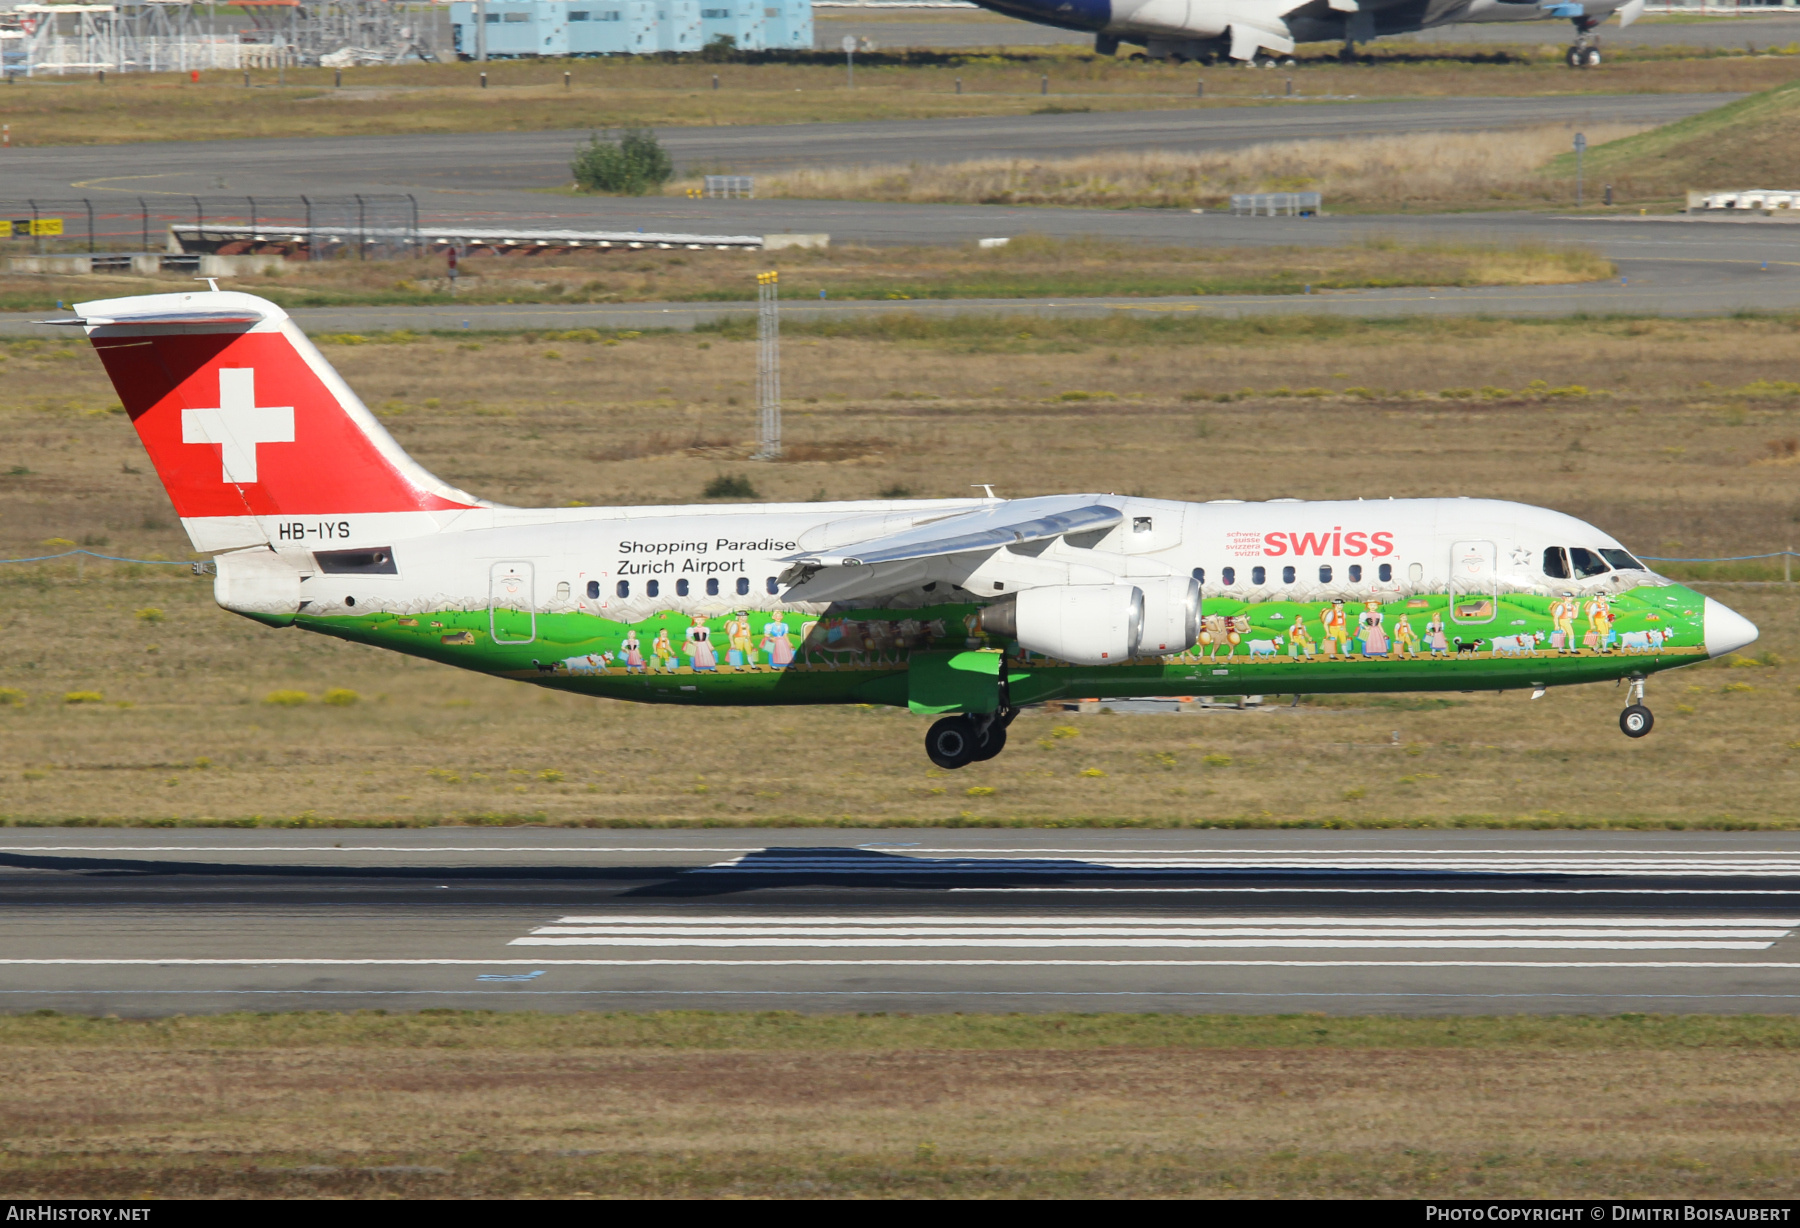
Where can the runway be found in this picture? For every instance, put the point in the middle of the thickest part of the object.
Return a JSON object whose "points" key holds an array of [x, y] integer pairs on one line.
{"points": [[1673, 267], [497, 174], [144, 922]]}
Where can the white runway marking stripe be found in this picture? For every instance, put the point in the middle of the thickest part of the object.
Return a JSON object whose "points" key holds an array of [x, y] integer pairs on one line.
{"points": [[1130, 933]]}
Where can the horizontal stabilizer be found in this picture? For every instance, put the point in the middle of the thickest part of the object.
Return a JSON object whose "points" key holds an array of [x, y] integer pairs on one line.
{"points": [[1014, 522], [139, 319]]}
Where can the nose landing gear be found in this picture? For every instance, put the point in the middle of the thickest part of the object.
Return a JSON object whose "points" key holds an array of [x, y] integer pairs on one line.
{"points": [[1636, 720], [957, 741]]}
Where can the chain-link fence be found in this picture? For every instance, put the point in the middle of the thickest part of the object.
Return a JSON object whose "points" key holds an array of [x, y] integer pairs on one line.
{"points": [[369, 227]]}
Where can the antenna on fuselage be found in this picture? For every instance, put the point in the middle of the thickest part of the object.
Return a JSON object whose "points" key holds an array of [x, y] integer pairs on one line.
{"points": [[983, 486]]}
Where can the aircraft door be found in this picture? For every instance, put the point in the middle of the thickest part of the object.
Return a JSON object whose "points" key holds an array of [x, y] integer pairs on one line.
{"points": [[512, 609], [1474, 597]]}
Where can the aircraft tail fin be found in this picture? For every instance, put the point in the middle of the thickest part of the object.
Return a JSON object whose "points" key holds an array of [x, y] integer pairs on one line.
{"points": [[254, 435]]}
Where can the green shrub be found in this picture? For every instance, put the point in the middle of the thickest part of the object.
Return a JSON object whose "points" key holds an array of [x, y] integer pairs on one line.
{"points": [[729, 486], [83, 697], [341, 697], [630, 166], [287, 699], [151, 614], [11, 697]]}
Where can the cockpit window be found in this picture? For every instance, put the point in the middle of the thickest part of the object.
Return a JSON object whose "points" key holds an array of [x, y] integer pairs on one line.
{"points": [[1622, 560], [1556, 563], [1587, 563]]}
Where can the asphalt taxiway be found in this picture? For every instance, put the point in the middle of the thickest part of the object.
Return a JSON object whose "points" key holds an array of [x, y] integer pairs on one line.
{"points": [[501, 174], [162, 921]]}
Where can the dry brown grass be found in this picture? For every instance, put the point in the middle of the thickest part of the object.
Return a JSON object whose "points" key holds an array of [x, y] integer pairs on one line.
{"points": [[1669, 447], [471, 1121], [1414, 170], [529, 96], [1031, 266]]}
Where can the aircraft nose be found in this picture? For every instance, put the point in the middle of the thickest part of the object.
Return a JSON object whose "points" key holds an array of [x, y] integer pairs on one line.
{"points": [[1726, 629]]}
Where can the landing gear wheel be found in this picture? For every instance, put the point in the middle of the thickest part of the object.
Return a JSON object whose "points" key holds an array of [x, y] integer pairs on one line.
{"points": [[1575, 58], [952, 743], [1636, 721], [1591, 58], [996, 742]]}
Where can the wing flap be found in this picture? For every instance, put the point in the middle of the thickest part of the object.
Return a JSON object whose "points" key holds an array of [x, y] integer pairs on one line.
{"points": [[1014, 522]]}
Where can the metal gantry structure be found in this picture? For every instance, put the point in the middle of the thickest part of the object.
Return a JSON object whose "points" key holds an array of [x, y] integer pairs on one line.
{"points": [[185, 36], [768, 366]]}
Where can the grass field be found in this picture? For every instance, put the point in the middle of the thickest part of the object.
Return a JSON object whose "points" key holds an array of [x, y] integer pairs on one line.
{"points": [[450, 1104], [1433, 170], [1742, 143], [530, 96], [1677, 435], [1030, 266]]}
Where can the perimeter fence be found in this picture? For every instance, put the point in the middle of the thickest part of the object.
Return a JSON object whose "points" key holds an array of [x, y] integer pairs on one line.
{"points": [[366, 226]]}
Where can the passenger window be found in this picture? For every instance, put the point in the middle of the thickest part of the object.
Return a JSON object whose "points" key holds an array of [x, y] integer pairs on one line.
{"points": [[681, 588], [1356, 573], [1622, 560], [712, 586], [1556, 563], [772, 585], [594, 590], [1200, 574], [1386, 572], [1325, 574], [1228, 576], [1287, 575], [743, 586], [1259, 575], [562, 590], [1415, 572], [652, 588], [1587, 563], [623, 588]]}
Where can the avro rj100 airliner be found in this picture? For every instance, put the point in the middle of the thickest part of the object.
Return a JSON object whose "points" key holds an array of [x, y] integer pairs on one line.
{"points": [[967, 609]]}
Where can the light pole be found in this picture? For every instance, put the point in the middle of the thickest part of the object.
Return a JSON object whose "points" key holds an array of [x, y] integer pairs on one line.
{"points": [[849, 46], [1580, 155]]}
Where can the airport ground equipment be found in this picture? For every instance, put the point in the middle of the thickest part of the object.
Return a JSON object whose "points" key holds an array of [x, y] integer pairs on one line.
{"points": [[964, 609]]}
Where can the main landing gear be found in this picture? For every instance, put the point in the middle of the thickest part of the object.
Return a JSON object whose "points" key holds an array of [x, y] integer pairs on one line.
{"points": [[1585, 53], [1636, 720], [957, 741]]}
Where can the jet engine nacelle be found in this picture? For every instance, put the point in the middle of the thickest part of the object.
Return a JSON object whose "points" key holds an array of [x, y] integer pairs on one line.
{"points": [[1171, 615], [1083, 624]]}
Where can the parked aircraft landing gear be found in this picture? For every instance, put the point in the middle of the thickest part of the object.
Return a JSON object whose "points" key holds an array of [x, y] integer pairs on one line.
{"points": [[1636, 720], [957, 741], [1585, 53]]}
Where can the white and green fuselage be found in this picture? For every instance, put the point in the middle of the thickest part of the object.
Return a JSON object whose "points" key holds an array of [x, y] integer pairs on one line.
{"points": [[966, 608]]}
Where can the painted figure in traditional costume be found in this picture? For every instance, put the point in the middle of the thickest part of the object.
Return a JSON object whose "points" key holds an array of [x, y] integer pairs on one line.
{"points": [[1436, 637], [741, 651], [1335, 629], [1600, 619], [1370, 632], [662, 653], [1406, 640], [699, 647], [632, 650], [1562, 625], [1300, 641], [775, 642]]}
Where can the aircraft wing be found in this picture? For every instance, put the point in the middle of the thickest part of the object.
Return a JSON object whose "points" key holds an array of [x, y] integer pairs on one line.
{"points": [[1013, 522]]}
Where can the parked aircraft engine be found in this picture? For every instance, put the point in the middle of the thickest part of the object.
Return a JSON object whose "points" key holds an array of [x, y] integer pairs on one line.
{"points": [[1083, 624], [1171, 615]]}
